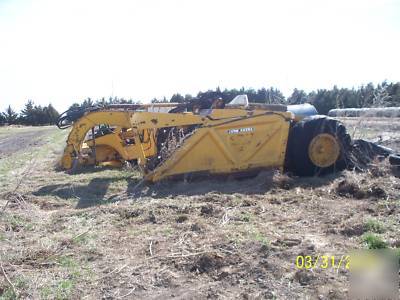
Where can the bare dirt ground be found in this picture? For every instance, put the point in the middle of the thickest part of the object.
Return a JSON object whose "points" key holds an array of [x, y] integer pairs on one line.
{"points": [[93, 235]]}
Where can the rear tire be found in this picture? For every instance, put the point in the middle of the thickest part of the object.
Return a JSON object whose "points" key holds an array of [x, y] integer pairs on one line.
{"points": [[300, 137]]}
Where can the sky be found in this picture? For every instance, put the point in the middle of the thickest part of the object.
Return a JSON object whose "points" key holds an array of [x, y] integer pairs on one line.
{"points": [[60, 52]]}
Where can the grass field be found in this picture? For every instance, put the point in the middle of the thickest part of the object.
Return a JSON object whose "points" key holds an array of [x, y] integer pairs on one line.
{"points": [[93, 235]]}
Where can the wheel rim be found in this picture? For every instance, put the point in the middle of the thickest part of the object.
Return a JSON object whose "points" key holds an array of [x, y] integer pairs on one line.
{"points": [[324, 150]]}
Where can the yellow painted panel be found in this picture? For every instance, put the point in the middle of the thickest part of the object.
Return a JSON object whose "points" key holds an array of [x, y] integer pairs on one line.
{"points": [[258, 142]]}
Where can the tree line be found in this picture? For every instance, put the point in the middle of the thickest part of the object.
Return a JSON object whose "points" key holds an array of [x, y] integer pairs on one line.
{"points": [[33, 115], [381, 95], [384, 94]]}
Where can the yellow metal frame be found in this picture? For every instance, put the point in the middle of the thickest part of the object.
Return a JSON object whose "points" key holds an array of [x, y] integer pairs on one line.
{"points": [[224, 141], [227, 141], [110, 147]]}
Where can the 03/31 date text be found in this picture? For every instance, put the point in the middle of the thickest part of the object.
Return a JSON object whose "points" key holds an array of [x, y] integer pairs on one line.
{"points": [[323, 262]]}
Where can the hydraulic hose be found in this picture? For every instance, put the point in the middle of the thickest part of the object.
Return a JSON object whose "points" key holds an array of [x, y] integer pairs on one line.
{"points": [[66, 119]]}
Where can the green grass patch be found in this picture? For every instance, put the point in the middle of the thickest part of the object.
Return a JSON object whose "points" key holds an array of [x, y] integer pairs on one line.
{"points": [[67, 262], [167, 231], [258, 236], [375, 226], [246, 217], [84, 238], [373, 241], [8, 293], [240, 234], [61, 290], [64, 288], [16, 223]]}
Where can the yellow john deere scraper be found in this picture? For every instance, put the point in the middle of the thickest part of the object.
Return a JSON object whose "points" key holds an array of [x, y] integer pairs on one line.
{"points": [[180, 139]]}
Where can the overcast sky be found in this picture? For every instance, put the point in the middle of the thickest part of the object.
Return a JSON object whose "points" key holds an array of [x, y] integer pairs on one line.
{"points": [[64, 51]]}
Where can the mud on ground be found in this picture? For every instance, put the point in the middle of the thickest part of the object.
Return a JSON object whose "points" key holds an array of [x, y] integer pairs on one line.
{"points": [[94, 235]]}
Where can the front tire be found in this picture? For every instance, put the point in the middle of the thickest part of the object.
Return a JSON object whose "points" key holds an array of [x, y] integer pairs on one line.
{"points": [[317, 146]]}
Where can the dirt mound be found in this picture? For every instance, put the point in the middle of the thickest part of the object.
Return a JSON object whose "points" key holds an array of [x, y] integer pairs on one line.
{"points": [[349, 188], [353, 230], [207, 263]]}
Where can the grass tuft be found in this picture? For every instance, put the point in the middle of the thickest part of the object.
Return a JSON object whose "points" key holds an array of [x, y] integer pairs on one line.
{"points": [[373, 241], [374, 226]]}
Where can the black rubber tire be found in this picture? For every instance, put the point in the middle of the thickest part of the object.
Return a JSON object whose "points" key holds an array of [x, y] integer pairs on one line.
{"points": [[300, 136]]}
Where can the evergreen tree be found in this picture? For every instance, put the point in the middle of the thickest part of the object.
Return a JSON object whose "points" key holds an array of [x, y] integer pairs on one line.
{"points": [[274, 96], [87, 103], [323, 101], [27, 114], [35, 115], [10, 116], [52, 114], [2, 119], [297, 97], [188, 97], [177, 98], [262, 95]]}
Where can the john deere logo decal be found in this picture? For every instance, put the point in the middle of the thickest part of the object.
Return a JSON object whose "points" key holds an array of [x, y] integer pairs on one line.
{"points": [[240, 130]]}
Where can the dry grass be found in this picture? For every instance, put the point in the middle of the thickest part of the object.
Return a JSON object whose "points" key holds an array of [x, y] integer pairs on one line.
{"points": [[386, 131], [90, 235]]}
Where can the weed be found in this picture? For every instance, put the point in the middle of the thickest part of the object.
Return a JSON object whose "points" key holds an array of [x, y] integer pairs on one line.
{"points": [[84, 238], [246, 217], [62, 290], [373, 241], [73, 267], [258, 236], [236, 201], [8, 293], [374, 226], [46, 292], [235, 234], [168, 231], [67, 261], [16, 222]]}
